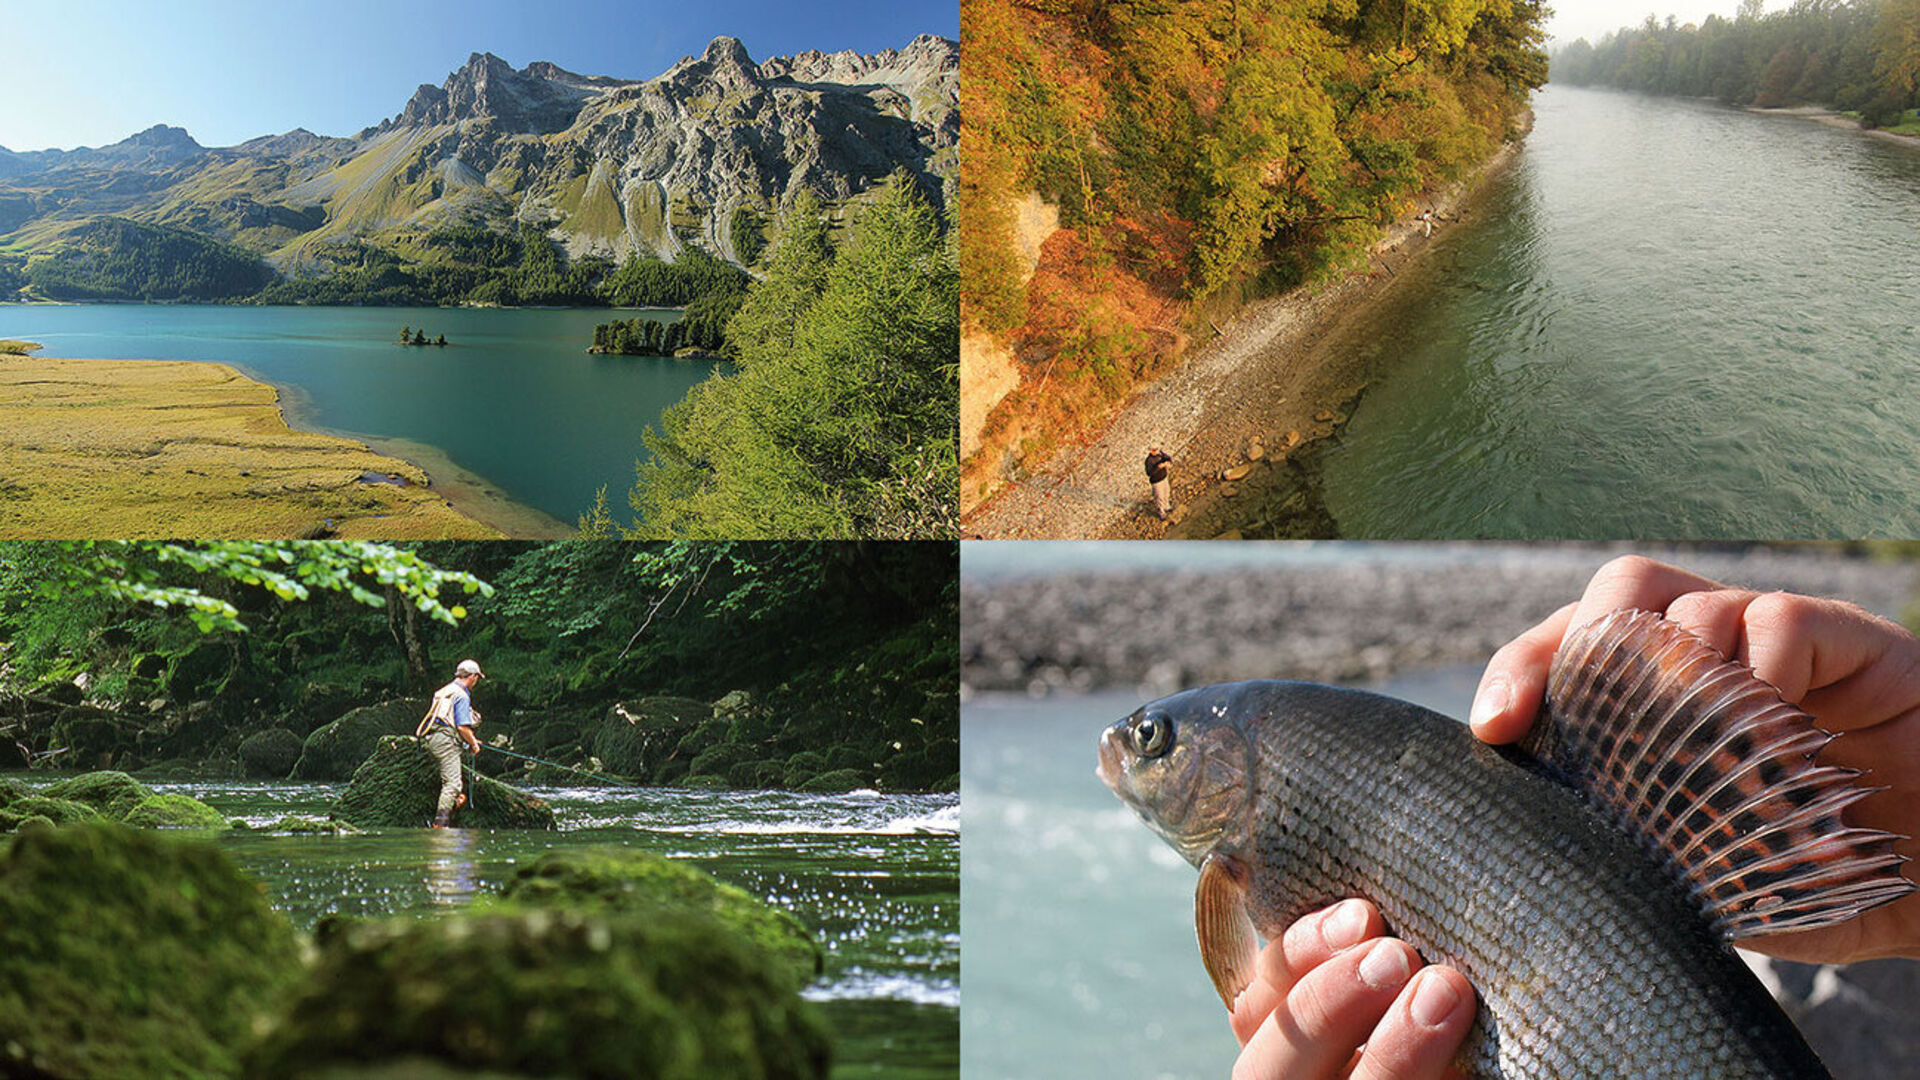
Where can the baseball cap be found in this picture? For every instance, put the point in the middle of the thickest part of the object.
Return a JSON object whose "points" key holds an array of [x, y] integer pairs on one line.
{"points": [[469, 667]]}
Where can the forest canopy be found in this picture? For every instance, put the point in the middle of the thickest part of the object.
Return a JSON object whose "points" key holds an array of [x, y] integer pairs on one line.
{"points": [[107, 663], [1205, 140], [1860, 56]]}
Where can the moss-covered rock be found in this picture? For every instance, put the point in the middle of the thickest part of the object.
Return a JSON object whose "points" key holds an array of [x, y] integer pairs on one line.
{"points": [[837, 781], [635, 738], [175, 812], [618, 879], [399, 787], [549, 994], [270, 754], [803, 767], [759, 775], [131, 954], [335, 750], [111, 793], [54, 811]]}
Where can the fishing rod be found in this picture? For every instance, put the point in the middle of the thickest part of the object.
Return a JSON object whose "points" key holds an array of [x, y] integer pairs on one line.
{"points": [[556, 765]]}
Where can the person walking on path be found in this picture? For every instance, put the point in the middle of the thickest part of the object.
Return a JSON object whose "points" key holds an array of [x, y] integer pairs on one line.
{"points": [[448, 723], [1159, 471]]}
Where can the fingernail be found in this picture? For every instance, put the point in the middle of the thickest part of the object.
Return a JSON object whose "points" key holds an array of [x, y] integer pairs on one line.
{"points": [[1433, 1001], [1492, 700], [1346, 924], [1385, 965]]}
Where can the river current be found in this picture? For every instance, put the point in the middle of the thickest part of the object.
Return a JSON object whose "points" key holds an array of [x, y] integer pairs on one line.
{"points": [[1669, 319], [874, 878]]}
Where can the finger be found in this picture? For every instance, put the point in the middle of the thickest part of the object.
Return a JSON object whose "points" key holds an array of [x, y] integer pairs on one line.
{"points": [[1716, 617], [1511, 689], [1308, 943], [1328, 1013], [1846, 666], [1319, 937], [1634, 581], [1422, 1031]]}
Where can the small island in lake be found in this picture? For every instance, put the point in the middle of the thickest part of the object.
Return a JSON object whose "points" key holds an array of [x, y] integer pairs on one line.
{"points": [[420, 337]]}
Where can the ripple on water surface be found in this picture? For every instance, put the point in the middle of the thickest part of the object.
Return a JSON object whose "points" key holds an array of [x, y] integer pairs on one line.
{"points": [[1669, 320]]}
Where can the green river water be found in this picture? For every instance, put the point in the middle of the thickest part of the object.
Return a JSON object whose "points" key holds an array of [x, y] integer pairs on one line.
{"points": [[1669, 319], [874, 877]]}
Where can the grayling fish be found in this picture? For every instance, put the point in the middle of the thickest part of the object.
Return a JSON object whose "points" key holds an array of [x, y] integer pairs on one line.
{"points": [[1666, 804]]}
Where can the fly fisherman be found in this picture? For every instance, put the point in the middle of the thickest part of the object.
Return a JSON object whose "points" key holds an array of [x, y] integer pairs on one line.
{"points": [[448, 723]]}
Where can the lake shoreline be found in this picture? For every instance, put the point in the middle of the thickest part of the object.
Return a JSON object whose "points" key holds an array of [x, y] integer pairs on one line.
{"points": [[1263, 390], [173, 448]]}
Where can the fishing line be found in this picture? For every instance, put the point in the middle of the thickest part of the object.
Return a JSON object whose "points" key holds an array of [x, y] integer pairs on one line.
{"points": [[556, 765]]}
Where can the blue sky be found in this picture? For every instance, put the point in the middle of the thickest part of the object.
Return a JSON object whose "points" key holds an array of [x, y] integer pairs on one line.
{"points": [[92, 72]]}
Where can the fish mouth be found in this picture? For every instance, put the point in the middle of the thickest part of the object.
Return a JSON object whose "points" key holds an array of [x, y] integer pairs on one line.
{"points": [[1112, 765]]}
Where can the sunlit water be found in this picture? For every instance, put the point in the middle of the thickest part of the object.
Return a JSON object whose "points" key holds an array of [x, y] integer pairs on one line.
{"points": [[1079, 920], [1670, 319], [875, 878], [513, 398]]}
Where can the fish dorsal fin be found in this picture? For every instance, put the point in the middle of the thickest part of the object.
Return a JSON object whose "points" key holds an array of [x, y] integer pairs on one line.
{"points": [[1709, 766]]}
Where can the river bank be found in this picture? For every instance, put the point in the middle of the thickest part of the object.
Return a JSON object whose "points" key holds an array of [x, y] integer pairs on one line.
{"points": [[1268, 385], [1820, 114], [138, 448]]}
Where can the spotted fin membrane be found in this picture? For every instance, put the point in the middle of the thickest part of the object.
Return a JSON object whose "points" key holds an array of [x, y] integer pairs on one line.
{"points": [[1706, 763]]}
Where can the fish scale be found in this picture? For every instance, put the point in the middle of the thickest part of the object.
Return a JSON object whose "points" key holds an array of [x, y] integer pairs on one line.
{"points": [[1610, 940]]}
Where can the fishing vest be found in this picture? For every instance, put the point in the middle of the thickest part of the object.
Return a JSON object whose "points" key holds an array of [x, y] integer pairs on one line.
{"points": [[439, 710]]}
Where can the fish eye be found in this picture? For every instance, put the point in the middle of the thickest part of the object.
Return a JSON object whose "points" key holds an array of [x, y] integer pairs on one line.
{"points": [[1152, 735]]}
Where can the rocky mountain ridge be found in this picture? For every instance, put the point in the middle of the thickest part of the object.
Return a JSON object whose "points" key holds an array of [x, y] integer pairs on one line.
{"points": [[715, 145]]}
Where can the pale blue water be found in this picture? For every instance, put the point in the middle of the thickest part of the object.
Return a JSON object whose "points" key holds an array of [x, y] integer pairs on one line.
{"points": [[513, 398], [1080, 951]]}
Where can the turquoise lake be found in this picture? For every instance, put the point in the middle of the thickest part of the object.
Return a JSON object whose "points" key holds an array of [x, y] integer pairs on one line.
{"points": [[513, 399]]}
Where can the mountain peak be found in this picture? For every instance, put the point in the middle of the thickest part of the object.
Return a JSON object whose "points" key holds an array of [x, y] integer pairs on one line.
{"points": [[542, 99], [162, 137], [728, 51]]}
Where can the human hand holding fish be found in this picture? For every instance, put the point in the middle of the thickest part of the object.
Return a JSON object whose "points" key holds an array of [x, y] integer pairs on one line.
{"points": [[1665, 803], [1333, 981], [1855, 673]]}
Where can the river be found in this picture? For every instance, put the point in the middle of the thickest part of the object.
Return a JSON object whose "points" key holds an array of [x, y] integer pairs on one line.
{"points": [[513, 399], [875, 878], [1669, 318]]}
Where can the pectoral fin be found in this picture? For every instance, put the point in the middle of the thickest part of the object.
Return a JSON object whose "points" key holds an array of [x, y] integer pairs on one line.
{"points": [[1228, 946]]}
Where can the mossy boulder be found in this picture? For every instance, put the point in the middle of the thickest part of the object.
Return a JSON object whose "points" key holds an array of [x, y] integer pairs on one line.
{"points": [[803, 767], [111, 793], [53, 811], [545, 993], [836, 782], [623, 880], [126, 953], [270, 754], [175, 812], [636, 738], [335, 750], [399, 787]]}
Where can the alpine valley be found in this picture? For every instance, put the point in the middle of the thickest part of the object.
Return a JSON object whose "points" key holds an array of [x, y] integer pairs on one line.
{"points": [[469, 175]]}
